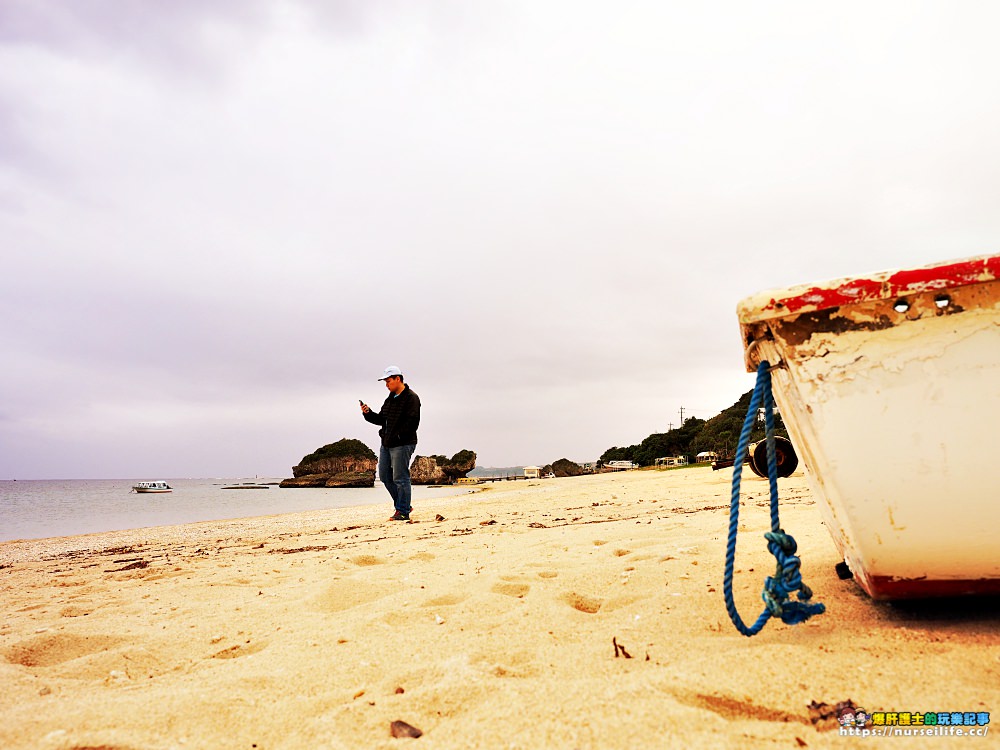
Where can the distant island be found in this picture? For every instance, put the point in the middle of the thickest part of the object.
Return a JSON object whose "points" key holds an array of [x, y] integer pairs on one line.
{"points": [[345, 463]]}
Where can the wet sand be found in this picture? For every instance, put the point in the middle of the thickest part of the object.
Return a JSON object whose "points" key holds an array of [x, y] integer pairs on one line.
{"points": [[567, 613]]}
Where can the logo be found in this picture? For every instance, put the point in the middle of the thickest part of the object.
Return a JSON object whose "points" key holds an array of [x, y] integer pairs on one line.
{"points": [[856, 721]]}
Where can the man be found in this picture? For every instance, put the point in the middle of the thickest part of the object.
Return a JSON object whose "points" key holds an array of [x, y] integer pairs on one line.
{"points": [[399, 417]]}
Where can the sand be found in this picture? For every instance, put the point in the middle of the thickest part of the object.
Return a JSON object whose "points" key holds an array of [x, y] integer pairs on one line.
{"points": [[502, 626]]}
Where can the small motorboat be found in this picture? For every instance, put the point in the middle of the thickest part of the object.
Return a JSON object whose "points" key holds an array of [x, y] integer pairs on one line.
{"points": [[151, 487], [889, 386]]}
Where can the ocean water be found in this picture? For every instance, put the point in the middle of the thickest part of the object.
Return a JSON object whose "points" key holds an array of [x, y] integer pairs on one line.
{"points": [[38, 509]]}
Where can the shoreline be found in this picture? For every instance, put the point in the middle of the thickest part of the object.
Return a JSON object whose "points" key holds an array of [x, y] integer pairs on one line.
{"points": [[21, 550], [134, 517], [506, 624]]}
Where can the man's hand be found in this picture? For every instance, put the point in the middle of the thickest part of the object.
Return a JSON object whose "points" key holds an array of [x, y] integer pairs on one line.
{"points": [[364, 408]]}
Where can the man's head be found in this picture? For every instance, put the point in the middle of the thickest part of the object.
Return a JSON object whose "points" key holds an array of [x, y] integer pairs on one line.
{"points": [[393, 378]]}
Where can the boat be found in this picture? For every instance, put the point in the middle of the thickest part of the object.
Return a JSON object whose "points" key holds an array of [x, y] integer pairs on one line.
{"points": [[151, 487], [889, 386]]}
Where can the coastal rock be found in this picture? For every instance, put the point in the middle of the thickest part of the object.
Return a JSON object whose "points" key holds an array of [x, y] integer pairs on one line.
{"points": [[341, 479], [352, 479], [344, 455], [345, 463], [566, 468], [424, 470], [441, 469], [308, 480]]}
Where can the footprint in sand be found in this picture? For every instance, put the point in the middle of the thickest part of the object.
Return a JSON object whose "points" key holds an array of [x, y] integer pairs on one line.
{"points": [[447, 600], [49, 650], [620, 602], [240, 649], [548, 574], [366, 560], [78, 609], [582, 602], [517, 590], [348, 593], [517, 664]]}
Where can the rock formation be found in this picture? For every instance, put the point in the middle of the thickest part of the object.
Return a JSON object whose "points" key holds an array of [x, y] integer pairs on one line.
{"points": [[346, 463], [566, 468], [441, 469]]}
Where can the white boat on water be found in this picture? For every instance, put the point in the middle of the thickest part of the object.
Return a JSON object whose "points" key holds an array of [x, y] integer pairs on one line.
{"points": [[889, 386], [151, 487]]}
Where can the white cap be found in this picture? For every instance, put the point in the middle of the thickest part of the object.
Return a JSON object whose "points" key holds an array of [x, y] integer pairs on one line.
{"points": [[389, 371]]}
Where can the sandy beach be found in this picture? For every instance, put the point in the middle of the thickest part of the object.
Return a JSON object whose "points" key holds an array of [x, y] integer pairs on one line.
{"points": [[504, 625]]}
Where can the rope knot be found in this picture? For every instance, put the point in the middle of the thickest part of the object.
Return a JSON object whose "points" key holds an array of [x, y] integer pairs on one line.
{"points": [[786, 542], [787, 578]]}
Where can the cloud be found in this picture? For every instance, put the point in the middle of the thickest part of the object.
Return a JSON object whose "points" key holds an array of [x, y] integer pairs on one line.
{"points": [[177, 33], [221, 218]]}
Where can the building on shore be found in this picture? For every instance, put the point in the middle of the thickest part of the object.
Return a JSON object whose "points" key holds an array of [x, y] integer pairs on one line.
{"points": [[672, 461]]}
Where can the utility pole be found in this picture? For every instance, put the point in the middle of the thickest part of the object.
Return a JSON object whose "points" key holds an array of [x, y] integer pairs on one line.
{"points": [[670, 426], [682, 416]]}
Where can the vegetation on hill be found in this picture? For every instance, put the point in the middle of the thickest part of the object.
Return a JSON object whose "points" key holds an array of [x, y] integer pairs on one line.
{"points": [[462, 458], [720, 434], [564, 468], [343, 448]]}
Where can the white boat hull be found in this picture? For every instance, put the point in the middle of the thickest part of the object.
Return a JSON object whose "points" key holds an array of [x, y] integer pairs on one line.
{"points": [[890, 389], [147, 487]]}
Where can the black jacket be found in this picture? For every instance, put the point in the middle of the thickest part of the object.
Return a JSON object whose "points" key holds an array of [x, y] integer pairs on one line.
{"points": [[399, 417]]}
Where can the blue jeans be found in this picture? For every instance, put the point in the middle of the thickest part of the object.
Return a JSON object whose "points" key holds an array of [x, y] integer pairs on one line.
{"points": [[394, 473]]}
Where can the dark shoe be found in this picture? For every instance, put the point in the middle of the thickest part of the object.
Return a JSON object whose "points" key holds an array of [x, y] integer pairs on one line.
{"points": [[397, 516]]}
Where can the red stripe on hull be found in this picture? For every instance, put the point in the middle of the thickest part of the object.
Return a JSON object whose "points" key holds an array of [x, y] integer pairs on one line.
{"points": [[887, 587], [888, 285]]}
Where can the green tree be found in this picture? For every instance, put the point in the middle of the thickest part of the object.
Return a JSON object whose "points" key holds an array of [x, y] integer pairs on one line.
{"points": [[619, 454], [345, 447], [720, 434]]}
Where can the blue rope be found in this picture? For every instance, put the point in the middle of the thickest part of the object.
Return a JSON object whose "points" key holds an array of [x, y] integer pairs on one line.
{"points": [[787, 578]]}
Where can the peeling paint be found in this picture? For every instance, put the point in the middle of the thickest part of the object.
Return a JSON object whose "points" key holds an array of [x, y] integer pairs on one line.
{"points": [[881, 286]]}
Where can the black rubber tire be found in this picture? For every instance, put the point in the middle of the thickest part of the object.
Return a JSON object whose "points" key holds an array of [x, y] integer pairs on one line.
{"points": [[843, 572], [784, 456]]}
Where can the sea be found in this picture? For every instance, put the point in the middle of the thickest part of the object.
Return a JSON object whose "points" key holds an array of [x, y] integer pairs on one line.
{"points": [[43, 508]]}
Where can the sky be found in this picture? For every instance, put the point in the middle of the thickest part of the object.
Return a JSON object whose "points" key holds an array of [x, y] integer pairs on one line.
{"points": [[221, 219]]}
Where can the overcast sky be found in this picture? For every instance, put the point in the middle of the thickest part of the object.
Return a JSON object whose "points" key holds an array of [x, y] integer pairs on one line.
{"points": [[220, 219]]}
